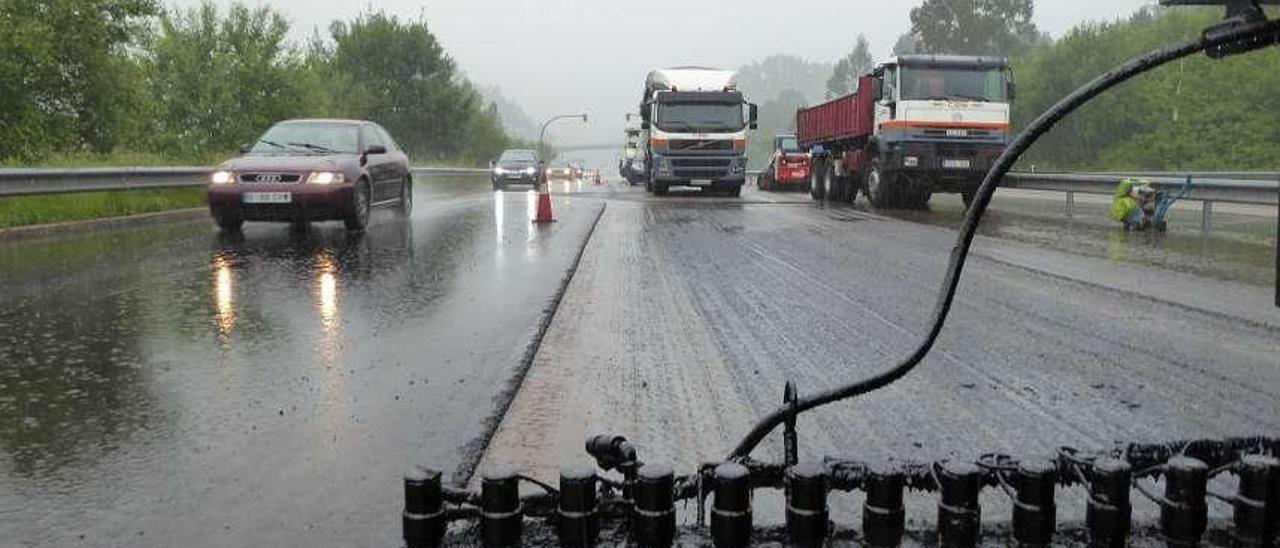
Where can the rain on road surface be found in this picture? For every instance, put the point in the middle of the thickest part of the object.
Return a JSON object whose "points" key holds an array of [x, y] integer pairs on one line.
{"points": [[169, 386], [172, 386]]}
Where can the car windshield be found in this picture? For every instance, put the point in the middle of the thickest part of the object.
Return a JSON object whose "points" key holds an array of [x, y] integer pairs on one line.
{"points": [[309, 137], [694, 117], [788, 144], [515, 156], [952, 84]]}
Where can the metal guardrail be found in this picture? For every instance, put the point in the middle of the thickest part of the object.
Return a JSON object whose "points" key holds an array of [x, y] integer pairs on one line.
{"points": [[1262, 188], [1210, 187], [31, 181]]}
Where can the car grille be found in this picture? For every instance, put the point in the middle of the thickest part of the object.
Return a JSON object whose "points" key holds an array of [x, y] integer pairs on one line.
{"points": [[701, 144], [701, 168], [961, 135], [270, 178]]}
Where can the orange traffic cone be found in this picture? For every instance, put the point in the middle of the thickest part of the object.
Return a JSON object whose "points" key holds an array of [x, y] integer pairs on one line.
{"points": [[544, 205]]}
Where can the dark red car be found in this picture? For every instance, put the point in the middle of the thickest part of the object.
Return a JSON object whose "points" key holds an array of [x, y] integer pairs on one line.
{"points": [[788, 166], [312, 170]]}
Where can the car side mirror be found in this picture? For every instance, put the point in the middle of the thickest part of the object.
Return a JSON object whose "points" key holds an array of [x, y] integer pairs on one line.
{"points": [[492, 163], [245, 148], [1011, 89], [375, 149], [753, 116]]}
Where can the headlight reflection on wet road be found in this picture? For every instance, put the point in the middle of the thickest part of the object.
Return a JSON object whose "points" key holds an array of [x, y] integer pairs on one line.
{"points": [[223, 297]]}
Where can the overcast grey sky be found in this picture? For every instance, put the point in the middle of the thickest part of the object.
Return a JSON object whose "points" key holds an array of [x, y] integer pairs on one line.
{"points": [[557, 56]]}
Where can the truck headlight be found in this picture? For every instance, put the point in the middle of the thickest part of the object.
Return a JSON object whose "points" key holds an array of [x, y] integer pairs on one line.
{"points": [[910, 161], [325, 178], [222, 177]]}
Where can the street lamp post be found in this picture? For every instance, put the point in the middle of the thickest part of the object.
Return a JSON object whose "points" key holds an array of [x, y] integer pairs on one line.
{"points": [[543, 133]]}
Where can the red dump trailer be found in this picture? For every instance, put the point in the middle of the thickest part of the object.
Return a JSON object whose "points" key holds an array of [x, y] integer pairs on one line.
{"points": [[918, 124]]}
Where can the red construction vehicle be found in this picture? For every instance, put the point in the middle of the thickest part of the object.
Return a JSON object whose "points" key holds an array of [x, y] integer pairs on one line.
{"points": [[918, 124], [788, 167]]}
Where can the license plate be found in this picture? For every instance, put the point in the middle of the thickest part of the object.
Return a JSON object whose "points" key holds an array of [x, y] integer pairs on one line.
{"points": [[700, 182], [955, 164], [267, 197]]}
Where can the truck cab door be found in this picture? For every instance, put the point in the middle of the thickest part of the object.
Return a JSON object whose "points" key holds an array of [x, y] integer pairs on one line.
{"points": [[887, 83]]}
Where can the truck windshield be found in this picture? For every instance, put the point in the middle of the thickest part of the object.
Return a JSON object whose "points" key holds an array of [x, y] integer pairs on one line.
{"points": [[699, 117], [953, 84]]}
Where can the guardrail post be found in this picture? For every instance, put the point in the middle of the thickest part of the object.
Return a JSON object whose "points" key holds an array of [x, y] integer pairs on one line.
{"points": [[1071, 203], [1206, 217]]}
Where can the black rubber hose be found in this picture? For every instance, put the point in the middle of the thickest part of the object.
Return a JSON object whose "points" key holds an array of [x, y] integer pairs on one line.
{"points": [[960, 252]]}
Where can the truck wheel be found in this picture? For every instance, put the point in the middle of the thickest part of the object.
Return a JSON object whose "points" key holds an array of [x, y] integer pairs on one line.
{"points": [[659, 189], [879, 188], [851, 186], [735, 192], [831, 183], [817, 190]]}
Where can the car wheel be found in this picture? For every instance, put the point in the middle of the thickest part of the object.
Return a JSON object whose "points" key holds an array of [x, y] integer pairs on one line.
{"points": [[735, 192], [968, 196], [405, 207], [228, 221], [359, 217], [659, 189]]}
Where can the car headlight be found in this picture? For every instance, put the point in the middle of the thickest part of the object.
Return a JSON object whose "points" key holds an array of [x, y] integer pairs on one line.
{"points": [[498, 171], [530, 170], [222, 177], [910, 161], [325, 178]]}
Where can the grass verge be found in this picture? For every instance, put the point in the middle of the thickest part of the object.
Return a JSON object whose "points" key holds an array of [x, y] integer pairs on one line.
{"points": [[60, 208]]}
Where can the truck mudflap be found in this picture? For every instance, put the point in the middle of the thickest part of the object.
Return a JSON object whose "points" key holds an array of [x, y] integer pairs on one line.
{"points": [[590, 508]]}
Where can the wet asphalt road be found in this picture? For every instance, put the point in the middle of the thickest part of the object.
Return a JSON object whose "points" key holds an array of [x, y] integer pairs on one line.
{"points": [[687, 315], [168, 385]]}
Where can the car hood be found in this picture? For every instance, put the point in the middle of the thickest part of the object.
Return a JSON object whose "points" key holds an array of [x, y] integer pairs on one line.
{"points": [[290, 162]]}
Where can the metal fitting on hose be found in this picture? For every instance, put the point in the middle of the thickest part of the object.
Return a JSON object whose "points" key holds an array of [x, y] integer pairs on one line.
{"points": [[1034, 511], [501, 521], [423, 520], [1109, 514], [959, 516], [731, 511], [883, 515], [578, 518], [653, 517], [807, 516], [1184, 513], [1257, 502]]}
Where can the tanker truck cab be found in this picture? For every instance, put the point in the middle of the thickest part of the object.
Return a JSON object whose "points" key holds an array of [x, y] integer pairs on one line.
{"points": [[694, 130], [941, 121]]}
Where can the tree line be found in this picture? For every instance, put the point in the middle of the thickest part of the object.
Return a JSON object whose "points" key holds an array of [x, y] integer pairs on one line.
{"points": [[103, 77]]}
